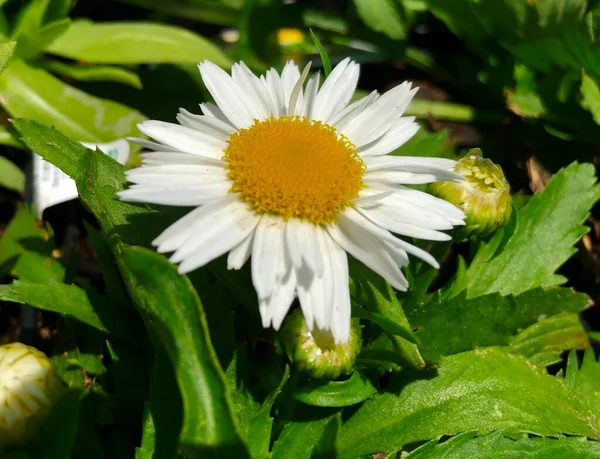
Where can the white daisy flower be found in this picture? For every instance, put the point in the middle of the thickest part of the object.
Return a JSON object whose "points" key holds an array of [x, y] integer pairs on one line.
{"points": [[296, 178]]}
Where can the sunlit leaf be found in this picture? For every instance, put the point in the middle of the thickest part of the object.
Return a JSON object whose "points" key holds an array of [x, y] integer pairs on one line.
{"points": [[483, 390], [134, 43], [29, 92]]}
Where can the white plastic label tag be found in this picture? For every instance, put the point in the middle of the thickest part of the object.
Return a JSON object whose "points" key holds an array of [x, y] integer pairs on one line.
{"points": [[52, 186]]}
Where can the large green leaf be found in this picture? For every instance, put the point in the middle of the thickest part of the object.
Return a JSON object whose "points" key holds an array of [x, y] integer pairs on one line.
{"points": [[500, 446], [74, 302], [172, 309], [481, 390], [382, 16], [12, 178], [95, 73], [447, 327], [543, 342], [548, 227], [28, 92], [299, 438], [134, 43], [163, 414]]}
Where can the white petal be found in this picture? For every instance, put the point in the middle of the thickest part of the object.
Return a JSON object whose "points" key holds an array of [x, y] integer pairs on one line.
{"points": [[380, 116], [213, 111], [424, 200], [147, 143], [176, 174], [405, 229], [230, 98], [165, 158], [337, 90], [289, 77], [176, 234], [209, 125], [342, 118], [240, 254], [266, 249], [302, 245], [215, 234], [189, 195], [310, 295], [409, 178], [339, 322], [393, 209], [416, 251], [275, 88], [282, 297], [322, 289], [310, 94], [253, 88], [183, 139], [351, 234], [398, 135], [402, 162]]}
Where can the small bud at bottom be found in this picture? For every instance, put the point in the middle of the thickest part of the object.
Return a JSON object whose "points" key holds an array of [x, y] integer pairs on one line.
{"points": [[316, 352], [29, 386]]}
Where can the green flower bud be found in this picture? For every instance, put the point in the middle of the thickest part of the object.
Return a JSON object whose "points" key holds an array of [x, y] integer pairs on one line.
{"points": [[29, 386], [316, 352], [484, 196]]}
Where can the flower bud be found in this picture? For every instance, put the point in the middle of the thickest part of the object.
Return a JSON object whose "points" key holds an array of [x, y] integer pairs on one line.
{"points": [[29, 386], [484, 196], [316, 351]]}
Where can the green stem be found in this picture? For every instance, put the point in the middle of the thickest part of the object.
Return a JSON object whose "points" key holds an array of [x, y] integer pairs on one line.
{"points": [[450, 111]]}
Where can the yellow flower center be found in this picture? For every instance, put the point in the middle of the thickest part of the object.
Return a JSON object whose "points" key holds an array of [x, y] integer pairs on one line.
{"points": [[293, 167]]}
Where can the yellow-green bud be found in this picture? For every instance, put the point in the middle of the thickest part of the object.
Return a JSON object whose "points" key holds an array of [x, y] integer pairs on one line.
{"points": [[29, 386], [316, 352], [484, 196]]}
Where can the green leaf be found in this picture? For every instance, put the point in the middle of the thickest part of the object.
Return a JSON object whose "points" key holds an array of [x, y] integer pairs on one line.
{"points": [[324, 393], [135, 43], [260, 426], [371, 291], [95, 73], [591, 96], [483, 390], [446, 327], [387, 325], [585, 380], [322, 53], [71, 301], [548, 227], [29, 92], [543, 342], [13, 178], [500, 446], [163, 413], [298, 439], [243, 404], [327, 446], [171, 307], [6, 51], [29, 19], [26, 249], [382, 16]]}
